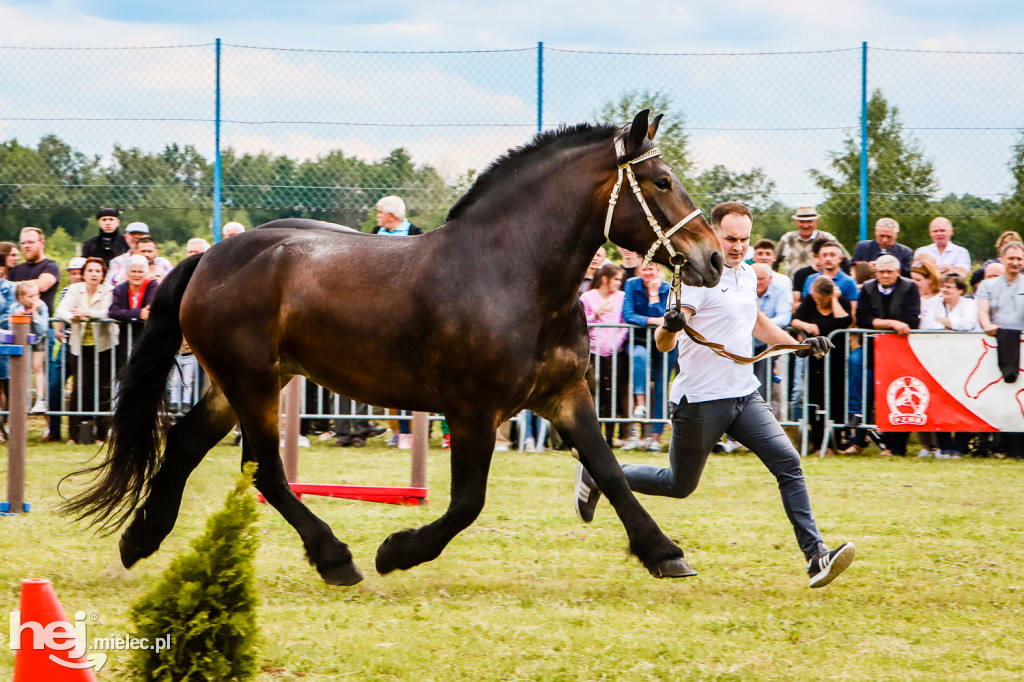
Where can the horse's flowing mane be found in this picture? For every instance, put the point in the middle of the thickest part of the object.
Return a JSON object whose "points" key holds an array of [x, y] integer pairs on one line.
{"points": [[512, 160]]}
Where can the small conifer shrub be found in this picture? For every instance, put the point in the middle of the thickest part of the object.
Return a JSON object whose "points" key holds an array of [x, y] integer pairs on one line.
{"points": [[206, 602]]}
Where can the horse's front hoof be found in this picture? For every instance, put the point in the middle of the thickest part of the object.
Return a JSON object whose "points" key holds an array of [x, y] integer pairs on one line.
{"points": [[672, 568], [344, 575], [387, 555]]}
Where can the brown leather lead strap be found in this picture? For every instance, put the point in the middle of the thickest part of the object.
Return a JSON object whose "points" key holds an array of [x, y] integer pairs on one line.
{"points": [[778, 349], [718, 348]]}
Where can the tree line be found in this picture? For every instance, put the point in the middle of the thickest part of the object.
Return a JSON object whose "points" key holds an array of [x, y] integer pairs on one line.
{"points": [[53, 186]]}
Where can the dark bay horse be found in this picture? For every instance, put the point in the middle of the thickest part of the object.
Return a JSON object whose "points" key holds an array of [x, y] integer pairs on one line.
{"points": [[477, 320]]}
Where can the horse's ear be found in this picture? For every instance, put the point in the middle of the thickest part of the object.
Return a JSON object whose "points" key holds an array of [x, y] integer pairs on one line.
{"points": [[637, 132], [652, 129]]}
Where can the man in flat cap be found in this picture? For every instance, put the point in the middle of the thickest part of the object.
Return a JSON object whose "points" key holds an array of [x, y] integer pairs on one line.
{"points": [[109, 243], [794, 249]]}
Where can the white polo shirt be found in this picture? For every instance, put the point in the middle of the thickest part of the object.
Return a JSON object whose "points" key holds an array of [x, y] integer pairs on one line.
{"points": [[724, 314]]}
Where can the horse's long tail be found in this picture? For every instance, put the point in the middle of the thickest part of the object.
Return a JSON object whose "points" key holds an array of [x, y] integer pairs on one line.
{"points": [[139, 425]]}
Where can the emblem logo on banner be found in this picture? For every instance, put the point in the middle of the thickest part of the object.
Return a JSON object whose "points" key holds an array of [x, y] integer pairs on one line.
{"points": [[908, 399]]}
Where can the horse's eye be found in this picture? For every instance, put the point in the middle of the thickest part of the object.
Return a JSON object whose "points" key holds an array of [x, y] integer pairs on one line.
{"points": [[663, 183]]}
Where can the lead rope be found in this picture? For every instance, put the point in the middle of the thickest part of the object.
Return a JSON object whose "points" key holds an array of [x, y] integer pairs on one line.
{"points": [[675, 290]]}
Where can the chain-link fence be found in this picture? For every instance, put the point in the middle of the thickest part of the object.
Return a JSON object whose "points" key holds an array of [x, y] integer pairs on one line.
{"points": [[324, 134]]}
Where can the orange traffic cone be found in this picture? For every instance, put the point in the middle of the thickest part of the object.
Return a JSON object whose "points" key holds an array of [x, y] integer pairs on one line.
{"points": [[42, 623]]}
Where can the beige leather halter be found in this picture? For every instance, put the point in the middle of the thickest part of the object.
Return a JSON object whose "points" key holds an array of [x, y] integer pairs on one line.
{"points": [[677, 259]]}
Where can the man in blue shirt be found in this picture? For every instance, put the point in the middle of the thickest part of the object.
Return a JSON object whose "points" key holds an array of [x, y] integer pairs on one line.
{"points": [[831, 257], [391, 221]]}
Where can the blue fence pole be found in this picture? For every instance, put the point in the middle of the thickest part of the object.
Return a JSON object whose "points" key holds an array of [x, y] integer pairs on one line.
{"points": [[864, 141], [216, 155], [540, 87]]}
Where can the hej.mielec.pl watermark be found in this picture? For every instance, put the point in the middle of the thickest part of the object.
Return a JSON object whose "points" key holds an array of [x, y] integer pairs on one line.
{"points": [[74, 638]]}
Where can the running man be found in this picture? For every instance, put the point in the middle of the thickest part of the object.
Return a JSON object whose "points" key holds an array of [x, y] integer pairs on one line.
{"points": [[712, 396]]}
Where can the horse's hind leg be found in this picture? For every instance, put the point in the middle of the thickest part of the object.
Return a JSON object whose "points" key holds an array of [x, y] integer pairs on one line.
{"points": [[188, 441], [472, 448], [257, 409], [576, 421]]}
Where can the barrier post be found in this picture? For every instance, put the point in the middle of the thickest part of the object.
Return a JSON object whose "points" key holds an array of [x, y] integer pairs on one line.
{"points": [[17, 404], [420, 437], [292, 426]]}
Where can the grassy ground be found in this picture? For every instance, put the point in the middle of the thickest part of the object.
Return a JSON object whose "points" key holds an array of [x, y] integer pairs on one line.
{"points": [[529, 593]]}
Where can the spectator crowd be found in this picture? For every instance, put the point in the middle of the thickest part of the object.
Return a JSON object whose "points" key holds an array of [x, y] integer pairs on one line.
{"points": [[807, 282], [811, 284]]}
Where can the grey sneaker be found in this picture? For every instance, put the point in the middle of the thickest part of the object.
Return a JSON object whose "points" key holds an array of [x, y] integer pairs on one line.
{"points": [[826, 567], [587, 494]]}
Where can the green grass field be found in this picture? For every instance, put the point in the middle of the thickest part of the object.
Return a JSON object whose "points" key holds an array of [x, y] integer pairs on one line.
{"points": [[530, 593]]}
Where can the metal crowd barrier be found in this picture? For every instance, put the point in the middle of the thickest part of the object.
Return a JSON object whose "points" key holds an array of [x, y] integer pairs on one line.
{"points": [[782, 379]]}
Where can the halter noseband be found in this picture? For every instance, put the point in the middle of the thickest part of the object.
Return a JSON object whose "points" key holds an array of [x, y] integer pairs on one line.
{"points": [[677, 259]]}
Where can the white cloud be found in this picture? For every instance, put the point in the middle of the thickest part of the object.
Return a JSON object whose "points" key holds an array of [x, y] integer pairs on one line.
{"points": [[315, 86]]}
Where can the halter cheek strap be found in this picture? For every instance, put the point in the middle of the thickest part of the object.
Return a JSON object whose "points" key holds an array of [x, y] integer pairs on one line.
{"points": [[678, 259]]}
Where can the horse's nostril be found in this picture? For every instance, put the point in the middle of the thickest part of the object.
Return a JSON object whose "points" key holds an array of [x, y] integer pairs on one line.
{"points": [[717, 261]]}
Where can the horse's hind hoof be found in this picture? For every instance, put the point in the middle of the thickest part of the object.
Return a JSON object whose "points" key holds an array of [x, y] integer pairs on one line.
{"points": [[672, 568], [132, 550], [345, 575]]}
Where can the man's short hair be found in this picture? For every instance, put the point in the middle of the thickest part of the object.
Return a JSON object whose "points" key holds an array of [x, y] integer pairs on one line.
{"points": [[39, 233], [393, 205], [145, 239], [887, 259], [888, 222], [1011, 245], [725, 208], [993, 267], [765, 244], [828, 243], [199, 242], [820, 242]]}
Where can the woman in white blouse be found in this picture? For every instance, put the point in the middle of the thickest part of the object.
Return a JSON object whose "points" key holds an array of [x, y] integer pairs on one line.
{"points": [[91, 344], [951, 309]]}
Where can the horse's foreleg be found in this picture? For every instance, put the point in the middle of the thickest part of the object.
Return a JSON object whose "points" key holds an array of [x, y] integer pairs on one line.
{"points": [[258, 413], [472, 448], [576, 421], [188, 441]]}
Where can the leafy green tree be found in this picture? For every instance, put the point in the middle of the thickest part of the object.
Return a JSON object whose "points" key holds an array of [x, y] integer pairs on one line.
{"points": [[710, 186], [1010, 214], [975, 226], [672, 136], [753, 188], [901, 181]]}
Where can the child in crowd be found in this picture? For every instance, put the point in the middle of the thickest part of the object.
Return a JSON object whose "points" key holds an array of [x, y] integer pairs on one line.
{"points": [[30, 303]]}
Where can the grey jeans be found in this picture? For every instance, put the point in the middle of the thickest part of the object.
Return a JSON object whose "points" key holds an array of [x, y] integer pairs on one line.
{"points": [[696, 427]]}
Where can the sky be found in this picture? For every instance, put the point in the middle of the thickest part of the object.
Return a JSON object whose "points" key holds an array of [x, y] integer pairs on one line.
{"points": [[740, 25], [743, 110]]}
